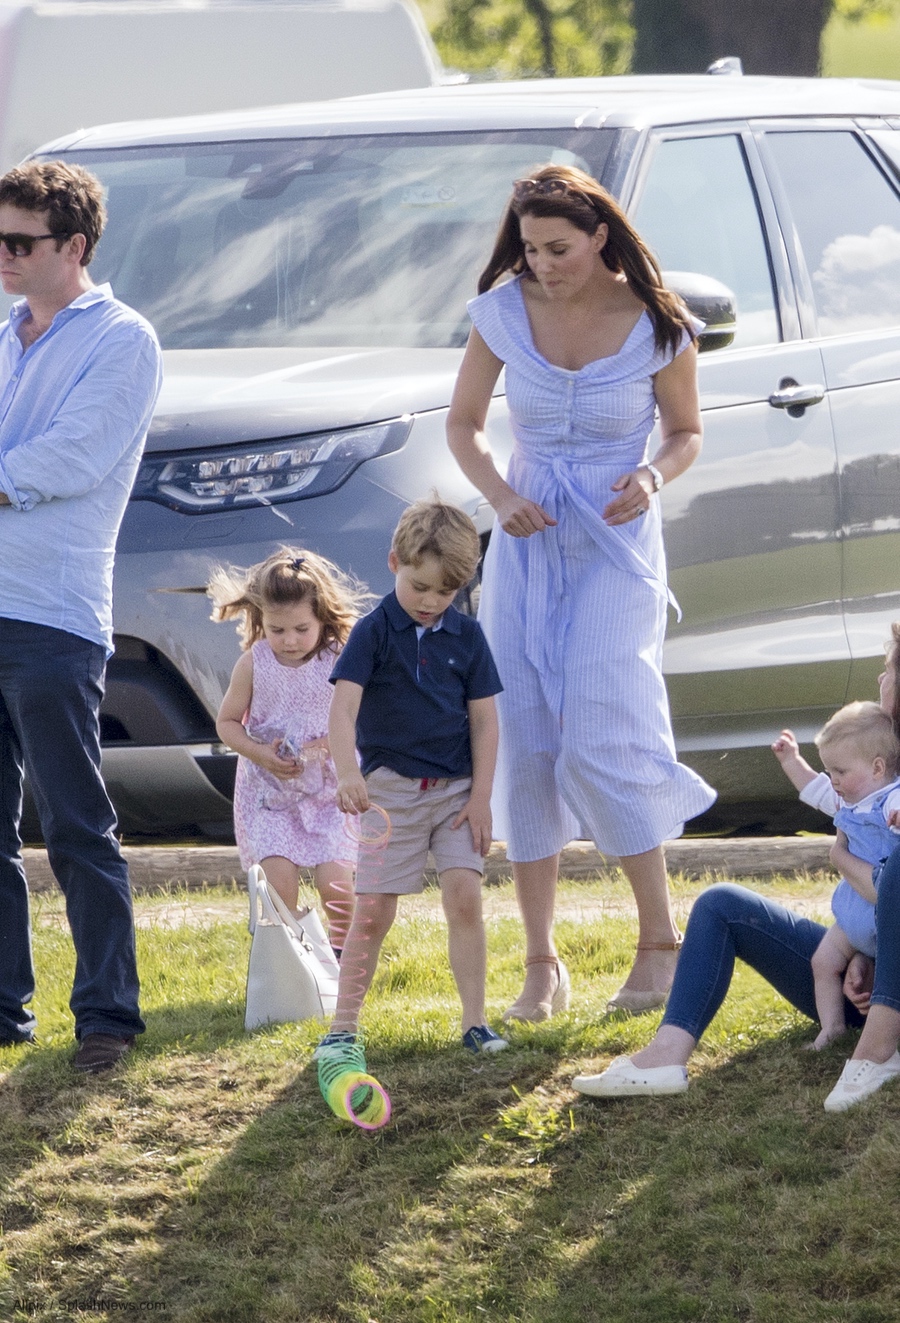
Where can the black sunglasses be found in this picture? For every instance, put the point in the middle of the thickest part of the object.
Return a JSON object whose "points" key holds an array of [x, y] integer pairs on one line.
{"points": [[523, 189], [20, 245]]}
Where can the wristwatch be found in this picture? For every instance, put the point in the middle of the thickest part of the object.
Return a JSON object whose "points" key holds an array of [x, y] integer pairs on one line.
{"points": [[655, 474]]}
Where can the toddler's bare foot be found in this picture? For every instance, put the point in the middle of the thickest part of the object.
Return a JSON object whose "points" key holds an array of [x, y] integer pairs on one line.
{"points": [[825, 1038]]}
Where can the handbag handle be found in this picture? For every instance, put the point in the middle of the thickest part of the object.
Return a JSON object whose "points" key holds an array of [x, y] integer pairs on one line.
{"points": [[274, 910], [257, 894]]}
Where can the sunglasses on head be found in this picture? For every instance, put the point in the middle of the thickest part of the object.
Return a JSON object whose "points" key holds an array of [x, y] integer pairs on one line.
{"points": [[20, 245], [548, 188]]}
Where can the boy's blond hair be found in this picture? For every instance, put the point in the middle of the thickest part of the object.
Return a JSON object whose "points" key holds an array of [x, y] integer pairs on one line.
{"points": [[433, 528], [868, 728]]}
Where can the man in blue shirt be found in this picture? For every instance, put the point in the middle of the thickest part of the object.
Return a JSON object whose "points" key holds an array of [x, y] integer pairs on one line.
{"points": [[79, 376]]}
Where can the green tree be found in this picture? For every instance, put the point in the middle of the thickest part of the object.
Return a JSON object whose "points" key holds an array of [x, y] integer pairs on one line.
{"points": [[533, 38], [571, 38], [769, 36]]}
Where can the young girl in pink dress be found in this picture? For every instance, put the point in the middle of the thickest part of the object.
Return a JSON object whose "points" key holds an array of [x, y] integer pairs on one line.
{"points": [[295, 611]]}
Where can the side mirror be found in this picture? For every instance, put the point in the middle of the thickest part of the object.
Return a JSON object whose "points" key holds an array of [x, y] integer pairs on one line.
{"points": [[711, 301]]}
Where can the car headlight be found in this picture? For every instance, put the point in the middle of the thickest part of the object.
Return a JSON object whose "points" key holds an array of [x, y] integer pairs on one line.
{"points": [[266, 472]]}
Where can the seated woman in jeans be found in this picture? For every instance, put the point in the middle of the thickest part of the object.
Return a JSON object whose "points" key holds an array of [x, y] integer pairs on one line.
{"points": [[729, 921]]}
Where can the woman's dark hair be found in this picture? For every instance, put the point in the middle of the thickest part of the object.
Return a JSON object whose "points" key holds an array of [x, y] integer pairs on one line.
{"points": [[562, 190]]}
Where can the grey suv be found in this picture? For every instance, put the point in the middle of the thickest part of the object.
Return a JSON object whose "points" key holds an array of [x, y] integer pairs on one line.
{"points": [[307, 270]]}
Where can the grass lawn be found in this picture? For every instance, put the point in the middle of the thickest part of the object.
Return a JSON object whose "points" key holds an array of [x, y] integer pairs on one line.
{"points": [[869, 48], [207, 1181]]}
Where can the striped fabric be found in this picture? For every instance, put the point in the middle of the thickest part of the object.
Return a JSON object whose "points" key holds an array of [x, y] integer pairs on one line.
{"points": [[576, 615]]}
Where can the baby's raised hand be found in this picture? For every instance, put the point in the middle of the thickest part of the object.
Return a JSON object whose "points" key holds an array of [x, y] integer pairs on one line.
{"points": [[786, 746], [893, 819]]}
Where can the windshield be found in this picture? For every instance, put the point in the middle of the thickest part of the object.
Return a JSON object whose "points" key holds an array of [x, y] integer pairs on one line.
{"points": [[365, 241]]}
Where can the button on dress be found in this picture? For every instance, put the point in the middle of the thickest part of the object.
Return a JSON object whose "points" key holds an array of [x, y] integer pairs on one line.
{"points": [[576, 615]]}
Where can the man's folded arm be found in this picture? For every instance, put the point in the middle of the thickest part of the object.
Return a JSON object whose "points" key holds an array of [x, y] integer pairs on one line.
{"points": [[105, 411]]}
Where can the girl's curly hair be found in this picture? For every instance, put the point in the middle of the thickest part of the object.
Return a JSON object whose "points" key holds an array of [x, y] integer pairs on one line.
{"points": [[287, 578]]}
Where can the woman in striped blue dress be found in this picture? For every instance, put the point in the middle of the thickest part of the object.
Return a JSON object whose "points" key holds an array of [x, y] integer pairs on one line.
{"points": [[574, 595]]}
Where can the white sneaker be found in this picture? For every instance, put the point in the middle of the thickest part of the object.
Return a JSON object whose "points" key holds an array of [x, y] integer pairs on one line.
{"points": [[623, 1079], [859, 1080]]}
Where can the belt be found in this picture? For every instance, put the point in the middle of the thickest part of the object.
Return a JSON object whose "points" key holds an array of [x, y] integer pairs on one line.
{"points": [[434, 782]]}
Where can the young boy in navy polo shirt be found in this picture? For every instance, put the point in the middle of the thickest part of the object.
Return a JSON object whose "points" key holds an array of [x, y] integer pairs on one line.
{"points": [[414, 692]]}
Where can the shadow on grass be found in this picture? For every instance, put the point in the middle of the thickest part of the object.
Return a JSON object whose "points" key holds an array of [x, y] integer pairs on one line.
{"points": [[288, 1224], [495, 1193], [741, 1200], [292, 1221], [42, 1097]]}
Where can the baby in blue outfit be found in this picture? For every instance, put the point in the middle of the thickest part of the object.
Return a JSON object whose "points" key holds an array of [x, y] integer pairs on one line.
{"points": [[860, 790]]}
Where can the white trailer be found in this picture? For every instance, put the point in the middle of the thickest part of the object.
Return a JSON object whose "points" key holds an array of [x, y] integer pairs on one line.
{"points": [[72, 63]]}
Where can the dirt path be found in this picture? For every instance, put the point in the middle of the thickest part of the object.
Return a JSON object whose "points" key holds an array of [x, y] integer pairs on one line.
{"points": [[581, 902]]}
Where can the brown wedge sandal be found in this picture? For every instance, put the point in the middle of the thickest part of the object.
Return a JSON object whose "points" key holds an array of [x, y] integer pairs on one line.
{"points": [[639, 1003], [533, 1012]]}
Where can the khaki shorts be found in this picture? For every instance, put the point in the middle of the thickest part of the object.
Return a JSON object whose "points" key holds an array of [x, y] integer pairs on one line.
{"points": [[420, 822]]}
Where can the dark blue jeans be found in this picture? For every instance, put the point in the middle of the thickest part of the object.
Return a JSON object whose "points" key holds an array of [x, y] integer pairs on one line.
{"points": [[886, 991], [727, 922], [51, 683]]}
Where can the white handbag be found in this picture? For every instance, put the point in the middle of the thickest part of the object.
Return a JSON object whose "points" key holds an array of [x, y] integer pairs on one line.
{"points": [[293, 972]]}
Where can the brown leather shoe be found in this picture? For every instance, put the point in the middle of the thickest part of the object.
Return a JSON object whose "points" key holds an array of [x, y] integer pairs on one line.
{"points": [[99, 1052]]}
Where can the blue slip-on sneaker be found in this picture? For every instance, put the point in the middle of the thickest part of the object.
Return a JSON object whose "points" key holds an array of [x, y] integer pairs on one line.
{"points": [[482, 1039], [343, 1047]]}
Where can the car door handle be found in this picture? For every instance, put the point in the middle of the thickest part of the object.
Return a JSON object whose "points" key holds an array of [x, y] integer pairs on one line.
{"points": [[791, 395]]}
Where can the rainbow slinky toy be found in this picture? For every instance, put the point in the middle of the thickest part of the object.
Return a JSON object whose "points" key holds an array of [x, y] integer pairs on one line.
{"points": [[351, 1093]]}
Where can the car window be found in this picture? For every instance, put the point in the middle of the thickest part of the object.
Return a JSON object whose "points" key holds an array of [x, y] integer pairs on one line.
{"points": [[698, 212], [847, 220], [366, 241], [889, 142]]}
